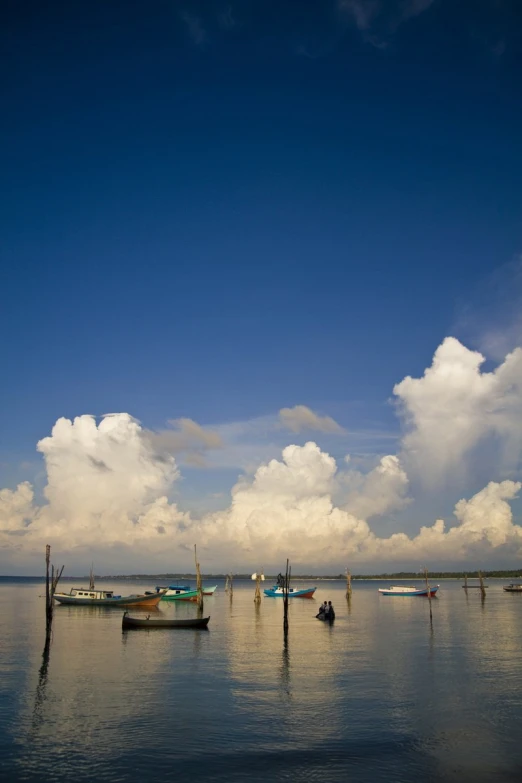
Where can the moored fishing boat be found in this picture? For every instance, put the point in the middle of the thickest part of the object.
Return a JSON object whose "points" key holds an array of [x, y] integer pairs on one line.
{"points": [[293, 592], [178, 593], [409, 592], [81, 596], [156, 622], [513, 588]]}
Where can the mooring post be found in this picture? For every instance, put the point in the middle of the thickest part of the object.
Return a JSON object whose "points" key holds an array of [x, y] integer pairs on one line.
{"points": [[230, 582], [50, 589], [482, 588], [428, 588], [257, 595], [286, 589], [48, 606], [348, 584], [199, 585]]}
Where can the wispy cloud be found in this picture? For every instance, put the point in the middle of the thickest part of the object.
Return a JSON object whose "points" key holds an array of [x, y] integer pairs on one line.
{"points": [[377, 20], [300, 418], [363, 12], [195, 28], [226, 18], [187, 438]]}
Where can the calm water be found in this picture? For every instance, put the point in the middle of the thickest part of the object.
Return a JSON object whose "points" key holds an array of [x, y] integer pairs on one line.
{"points": [[380, 696]]}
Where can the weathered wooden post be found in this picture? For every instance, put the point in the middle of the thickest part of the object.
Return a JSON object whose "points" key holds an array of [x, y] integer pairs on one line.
{"points": [[259, 577], [199, 585], [48, 612], [50, 588], [348, 584], [482, 588], [286, 588], [465, 581], [229, 586], [428, 588]]}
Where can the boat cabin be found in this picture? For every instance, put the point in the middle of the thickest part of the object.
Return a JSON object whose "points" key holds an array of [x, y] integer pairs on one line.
{"points": [[175, 589], [100, 595]]}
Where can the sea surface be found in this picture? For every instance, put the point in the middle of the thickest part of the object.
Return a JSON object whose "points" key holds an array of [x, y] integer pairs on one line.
{"points": [[384, 694]]}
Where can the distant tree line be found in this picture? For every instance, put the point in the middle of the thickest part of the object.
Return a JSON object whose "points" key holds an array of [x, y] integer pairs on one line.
{"points": [[498, 574]]}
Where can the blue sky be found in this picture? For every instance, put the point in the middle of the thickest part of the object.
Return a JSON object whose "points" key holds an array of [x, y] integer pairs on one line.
{"points": [[216, 210]]}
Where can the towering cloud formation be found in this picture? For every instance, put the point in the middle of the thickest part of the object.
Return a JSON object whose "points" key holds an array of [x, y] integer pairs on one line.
{"points": [[109, 487], [454, 406]]}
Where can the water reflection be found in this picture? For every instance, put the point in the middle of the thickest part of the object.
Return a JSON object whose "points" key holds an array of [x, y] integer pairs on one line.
{"points": [[285, 670], [40, 696], [389, 694]]}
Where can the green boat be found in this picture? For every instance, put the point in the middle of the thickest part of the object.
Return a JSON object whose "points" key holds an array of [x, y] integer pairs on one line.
{"points": [[176, 594]]}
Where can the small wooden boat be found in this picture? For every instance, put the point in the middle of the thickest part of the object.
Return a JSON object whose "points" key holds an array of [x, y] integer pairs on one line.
{"points": [[512, 588], [277, 592], [178, 593], [81, 596], [155, 622], [408, 592], [326, 618]]}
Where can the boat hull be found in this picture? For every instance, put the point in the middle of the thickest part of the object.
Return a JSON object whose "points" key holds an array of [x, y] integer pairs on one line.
{"points": [[326, 618], [209, 590], [512, 588], [147, 622], [126, 600], [423, 593], [273, 592], [190, 595]]}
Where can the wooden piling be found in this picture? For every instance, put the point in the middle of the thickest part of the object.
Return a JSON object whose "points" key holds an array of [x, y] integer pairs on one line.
{"points": [[482, 587], [259, 577], [51, 583], [348, 584], [229, 585], [199, 584], [286, 588], [465, 581], [428, 588]]}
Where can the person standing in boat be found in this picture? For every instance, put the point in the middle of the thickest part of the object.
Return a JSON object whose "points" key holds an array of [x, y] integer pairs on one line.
{"points": [[330, 611]]}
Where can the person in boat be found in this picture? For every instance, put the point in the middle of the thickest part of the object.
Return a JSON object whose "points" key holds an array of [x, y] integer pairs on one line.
{"points": [[330, 614], [280, 580], [322, 609]]}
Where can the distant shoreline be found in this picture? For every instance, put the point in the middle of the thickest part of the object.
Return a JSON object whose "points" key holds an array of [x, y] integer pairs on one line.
{"points": [[397, 576]]}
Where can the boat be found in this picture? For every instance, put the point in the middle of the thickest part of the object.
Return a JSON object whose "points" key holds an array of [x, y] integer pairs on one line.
{"points": [[209, 590], [293, 592], [409, 592], [155, 622], [178, 593], [512, 588], [82, 596], [326, 618]]}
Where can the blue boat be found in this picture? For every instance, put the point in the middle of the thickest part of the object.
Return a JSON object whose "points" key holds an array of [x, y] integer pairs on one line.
{"points": [[277, 592]]}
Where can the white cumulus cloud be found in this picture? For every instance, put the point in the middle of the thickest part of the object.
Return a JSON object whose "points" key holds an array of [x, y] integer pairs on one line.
{"points": [[454, 406], [109, 489], [383, 489]]}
